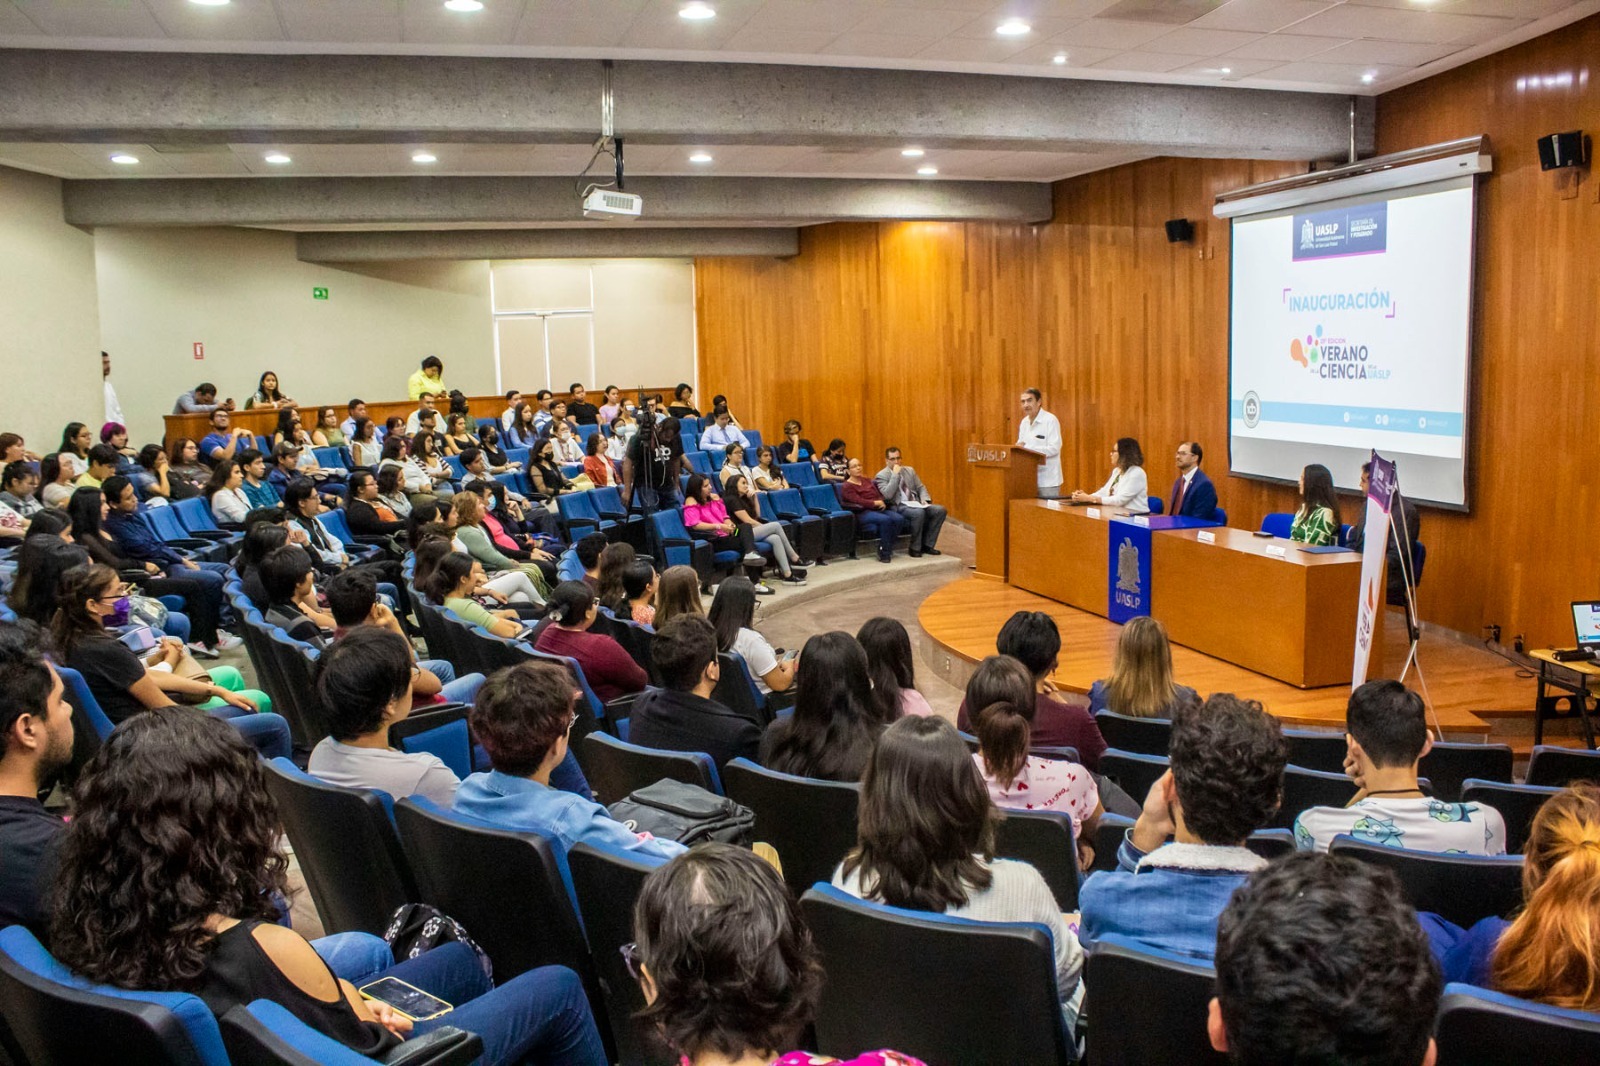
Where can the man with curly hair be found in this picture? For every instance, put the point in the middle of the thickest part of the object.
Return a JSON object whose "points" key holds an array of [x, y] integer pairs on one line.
{"points": [[1224, 783], [1320, 960], [1386, 736]]}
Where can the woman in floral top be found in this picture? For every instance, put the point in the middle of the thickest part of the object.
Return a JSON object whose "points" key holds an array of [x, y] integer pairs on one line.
{"points": [[729, 971], [1317, 521]]}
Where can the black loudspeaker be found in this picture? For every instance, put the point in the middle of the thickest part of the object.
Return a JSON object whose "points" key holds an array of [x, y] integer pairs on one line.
{"points": [[1180, 230], [1556, 150]]}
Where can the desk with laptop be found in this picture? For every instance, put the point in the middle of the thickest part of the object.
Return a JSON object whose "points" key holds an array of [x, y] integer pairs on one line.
{"points": [[1570, 674]]}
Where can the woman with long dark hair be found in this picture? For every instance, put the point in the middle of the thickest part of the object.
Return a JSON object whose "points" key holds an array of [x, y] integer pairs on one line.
{"points": [[455, 582], [833, 464], [41, 560], [425, 456], [55, 480], [267, 393], [457, 434], [328, 433], [543, 472], [171, 875], [187, 468], [368, 515], [607, 666], [833, 728], [707, 517], [732, 614], [739, 498], [1127, 488], [925, 841], [1001, 689], [523, 433], [892, 669], [1316, 523], [365, 448], [225, 491], [76, 440]]}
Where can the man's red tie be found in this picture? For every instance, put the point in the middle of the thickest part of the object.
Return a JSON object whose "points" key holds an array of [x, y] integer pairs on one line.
{"points": [[1177, 495]]}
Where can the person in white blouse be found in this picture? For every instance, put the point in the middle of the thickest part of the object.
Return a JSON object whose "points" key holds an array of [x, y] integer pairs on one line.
{"points": [[1127, 488], [565, 443], [1041, 431]]}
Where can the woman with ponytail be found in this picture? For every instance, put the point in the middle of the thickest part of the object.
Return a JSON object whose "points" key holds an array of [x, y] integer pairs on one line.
{"points": [[1001, 690], [1550, 952]]}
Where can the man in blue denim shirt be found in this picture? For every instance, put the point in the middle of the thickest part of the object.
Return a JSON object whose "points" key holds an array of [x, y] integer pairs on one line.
{"points": [[522, 717], [1225, 782]]}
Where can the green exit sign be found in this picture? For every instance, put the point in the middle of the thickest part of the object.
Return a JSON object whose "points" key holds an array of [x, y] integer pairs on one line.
{"points": [[319, 293]]}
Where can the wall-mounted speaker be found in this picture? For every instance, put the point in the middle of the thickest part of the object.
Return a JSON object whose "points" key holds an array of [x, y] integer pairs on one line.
{"points": [[1556, 150], [1180, 230]]}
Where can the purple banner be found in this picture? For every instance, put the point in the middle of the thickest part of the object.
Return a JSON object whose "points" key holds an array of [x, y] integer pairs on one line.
{"points": [[1360, 230]]}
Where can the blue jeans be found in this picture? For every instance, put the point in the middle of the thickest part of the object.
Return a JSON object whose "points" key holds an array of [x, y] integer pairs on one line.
{"points": [[539, 1016], [267, 733], [177, 625], [455, 689], [355, 957], [885, 525], [212, 576]]}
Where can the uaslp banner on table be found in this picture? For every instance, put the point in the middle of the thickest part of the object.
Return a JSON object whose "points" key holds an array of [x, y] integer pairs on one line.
{"points": [[1375, 529]]}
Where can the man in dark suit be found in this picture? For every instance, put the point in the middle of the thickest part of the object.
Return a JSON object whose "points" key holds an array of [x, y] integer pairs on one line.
{"points": [[682, 716], [1193, 494]]}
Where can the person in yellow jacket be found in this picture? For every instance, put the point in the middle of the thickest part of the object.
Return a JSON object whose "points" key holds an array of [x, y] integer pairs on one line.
{"points": [[429, 379]]}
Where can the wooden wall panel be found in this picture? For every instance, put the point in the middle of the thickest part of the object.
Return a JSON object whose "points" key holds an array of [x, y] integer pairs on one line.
{"points": [[922, 335]]}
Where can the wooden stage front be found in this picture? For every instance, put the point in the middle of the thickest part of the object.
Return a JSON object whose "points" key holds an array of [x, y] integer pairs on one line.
{"points": [[965, 616]]}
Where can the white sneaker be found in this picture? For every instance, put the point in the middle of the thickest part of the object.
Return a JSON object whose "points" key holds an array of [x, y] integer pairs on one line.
{"points": [[755, 559], [763, 589], [227, 641], [200, 651]]}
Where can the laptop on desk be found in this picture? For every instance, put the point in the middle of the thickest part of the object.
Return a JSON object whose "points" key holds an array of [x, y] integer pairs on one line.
{"points": [[1586, 628]]}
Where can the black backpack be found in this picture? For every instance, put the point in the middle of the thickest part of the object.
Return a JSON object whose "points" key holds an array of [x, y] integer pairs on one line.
{"points": [[686, 813]]}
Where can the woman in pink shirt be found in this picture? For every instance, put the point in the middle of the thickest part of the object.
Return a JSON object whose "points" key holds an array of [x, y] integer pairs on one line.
{"points": [[608, 668], [1002, 690], [707, 517]]}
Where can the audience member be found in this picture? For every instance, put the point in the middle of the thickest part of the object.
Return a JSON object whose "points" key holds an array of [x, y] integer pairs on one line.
{"points": [[365, 511], [739, 499], [794, 448], [458, 434], [188, 469], [926, 841], [682, 405], [73, 454], [732, 616], [364, 683], [768, 476], [508, 416], [113, 406], [1386, 730], [523, 717], [1549, 952], [20, 482], [257, 493], [522, 432], [832, 464], [224, 439], [1127, 488], [1141, 684], [425, 457], [727, 966], [614, 561], [36, 742], [681, 715], [429, 379], [201, 400], [892, 668], [1320, 960], [392, 494], [597, 464], [288, 578], [607, 666], [93, 597], [116, 435], [1060, 719], [908, 497], [454, 583], [733, 465], [544, 400], [328, 432], [678, 593], [639, 582], [1316, 523], [1002, 690], [833, 728], [579, 410], [720, 434], [353, 602], [860, 495], [706, 515], [172, 876], [565, 447], [268, 394], [613, 405], [468, 511], [544, 471], [1225, 782], [57, 478], [152, 477], [103, 460], [41, 560], [1193, 494]]}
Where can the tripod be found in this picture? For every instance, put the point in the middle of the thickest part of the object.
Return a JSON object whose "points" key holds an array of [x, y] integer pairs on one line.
{"points": [[1400, 530]]}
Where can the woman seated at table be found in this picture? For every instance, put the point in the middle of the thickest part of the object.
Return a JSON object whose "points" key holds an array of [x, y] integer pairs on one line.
{"points": [[267, 394], [1316, 523], [1127, 488]]}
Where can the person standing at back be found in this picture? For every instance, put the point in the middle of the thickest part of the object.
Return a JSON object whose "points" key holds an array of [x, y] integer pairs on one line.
{"points": [[1193, 494], [1386, 731], [1041, 432], [430, 378]]}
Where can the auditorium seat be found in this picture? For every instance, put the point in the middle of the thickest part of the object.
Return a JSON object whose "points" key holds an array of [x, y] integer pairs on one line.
{"points": [[347, 848], [799, 474], [736, 689], [195, 514], [1304, 789], [701, 462], [1267, 843], [1146, 1005], [673, 545], [823, 502], [1459, 888], [1316, 749], [1147, 736], [1278, 524], [1043, 840], [939, 988], [1517, 804], [1447, 765], [615, 768], [1477, 1027], [264, 1033], [811, 823], [1155, 504], [1219, 516], [1549, 765], [1135, 773], [807, 532], [440, 730]]}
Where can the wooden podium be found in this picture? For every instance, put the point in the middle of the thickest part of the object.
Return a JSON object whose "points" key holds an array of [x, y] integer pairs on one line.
{"points": [[1000, 473]]}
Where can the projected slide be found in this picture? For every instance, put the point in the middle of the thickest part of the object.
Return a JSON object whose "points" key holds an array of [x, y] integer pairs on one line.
{"points": [[1350, 331]]}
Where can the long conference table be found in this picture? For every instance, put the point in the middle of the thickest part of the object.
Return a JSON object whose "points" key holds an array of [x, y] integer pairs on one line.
{"points": [[1265, 604]]}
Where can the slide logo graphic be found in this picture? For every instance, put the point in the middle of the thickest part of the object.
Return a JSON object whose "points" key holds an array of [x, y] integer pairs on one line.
{"points": [[1335, 358], [1343, 231]]}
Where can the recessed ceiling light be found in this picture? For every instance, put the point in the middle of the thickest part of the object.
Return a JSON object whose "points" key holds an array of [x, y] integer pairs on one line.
{"points": [[912, 153], [424, 157], [277, 159], [700, 157], [210, 3], [1013, 28], [1368, 78], [1060, 60], [928, 172], [125, 159], [697, 11], [463, 5]]}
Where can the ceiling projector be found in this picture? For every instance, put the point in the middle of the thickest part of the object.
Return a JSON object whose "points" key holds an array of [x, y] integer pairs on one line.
{"points": [[610, 205]]}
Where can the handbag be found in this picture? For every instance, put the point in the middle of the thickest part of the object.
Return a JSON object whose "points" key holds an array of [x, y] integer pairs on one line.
{"points": [[190, 668], [686, 813]]}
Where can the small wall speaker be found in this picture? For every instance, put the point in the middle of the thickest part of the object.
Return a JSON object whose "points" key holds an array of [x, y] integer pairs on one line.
{"points": [[1180, 230], [1556, 150]]}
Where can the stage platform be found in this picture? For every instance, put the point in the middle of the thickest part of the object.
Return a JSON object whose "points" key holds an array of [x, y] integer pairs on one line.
{"points": [[1476, 694]]}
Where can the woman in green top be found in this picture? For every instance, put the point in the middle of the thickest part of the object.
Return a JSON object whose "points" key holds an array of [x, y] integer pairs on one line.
{"points": [[328, 433], [452, 584], [1317, 521], [468, 510]]}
